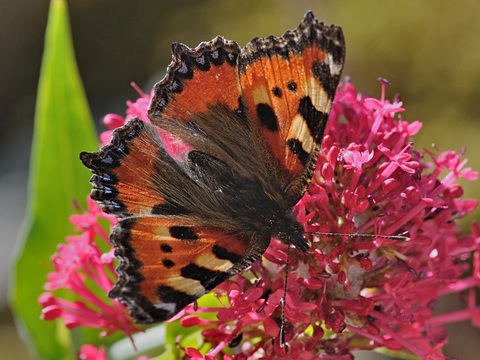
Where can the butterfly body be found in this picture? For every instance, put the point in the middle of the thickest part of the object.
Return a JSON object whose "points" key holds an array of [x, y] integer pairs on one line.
{"points": [[200, 193]]}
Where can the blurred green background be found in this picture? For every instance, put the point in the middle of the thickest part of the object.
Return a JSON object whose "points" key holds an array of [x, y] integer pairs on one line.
{"points": [[429, 50]]}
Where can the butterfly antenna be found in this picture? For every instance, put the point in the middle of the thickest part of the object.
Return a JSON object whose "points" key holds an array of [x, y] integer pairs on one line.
{"points": [[283, 300], [390, 237]]}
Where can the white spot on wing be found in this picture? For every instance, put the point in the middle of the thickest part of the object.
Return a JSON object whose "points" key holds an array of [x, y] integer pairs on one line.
{"points": [[299, 130], [188, 286], [335, 68], [162, 233], [211, 262], [169, 307], [260, 95], [320, 98]]}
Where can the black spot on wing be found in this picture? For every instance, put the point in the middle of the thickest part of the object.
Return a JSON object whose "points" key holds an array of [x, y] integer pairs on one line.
{"points": [[183, 233], [276, 91], [292, 86], [222, 253], [296, 146], [315, 119], [267, 117], [207, 277], [166, 248], [168, 263]]}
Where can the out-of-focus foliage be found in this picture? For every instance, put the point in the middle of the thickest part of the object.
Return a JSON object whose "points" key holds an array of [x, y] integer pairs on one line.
{"points": [[63, 127]]}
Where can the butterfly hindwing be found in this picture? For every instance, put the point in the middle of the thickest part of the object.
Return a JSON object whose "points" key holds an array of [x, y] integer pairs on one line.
{"points": [[166, 265], [288, 84]]}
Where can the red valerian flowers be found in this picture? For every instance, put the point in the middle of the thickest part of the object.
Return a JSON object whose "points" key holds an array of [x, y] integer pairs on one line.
{"points": [[355, 292], [348, 292], [85, 271]]}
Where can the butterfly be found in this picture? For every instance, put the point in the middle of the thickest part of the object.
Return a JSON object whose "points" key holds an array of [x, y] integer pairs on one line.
{"points": [[247, 125]]}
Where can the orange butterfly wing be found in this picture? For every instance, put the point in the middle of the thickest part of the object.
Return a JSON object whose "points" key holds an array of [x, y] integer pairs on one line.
{"points": [[288, 84], [166, 264], [120, 185], [197, 79]]}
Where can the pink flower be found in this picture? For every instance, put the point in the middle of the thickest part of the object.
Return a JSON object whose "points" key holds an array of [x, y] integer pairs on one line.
{"points": [[81, 268], [136, 108], [90, 352]]}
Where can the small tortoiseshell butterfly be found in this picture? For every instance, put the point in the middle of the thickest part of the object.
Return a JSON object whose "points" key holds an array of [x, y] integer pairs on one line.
{"points": [[250, 123]]}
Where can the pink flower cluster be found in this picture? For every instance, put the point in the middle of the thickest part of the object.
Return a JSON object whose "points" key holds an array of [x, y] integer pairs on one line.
{"points": [[356, 292], [347, 293], [81, 268]]}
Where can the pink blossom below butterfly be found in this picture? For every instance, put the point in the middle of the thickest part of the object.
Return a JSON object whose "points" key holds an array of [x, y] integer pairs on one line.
{"points": [[245, 126]]}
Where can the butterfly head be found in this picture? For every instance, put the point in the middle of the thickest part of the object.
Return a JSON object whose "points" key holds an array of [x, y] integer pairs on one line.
{"points": [[291, 232]]}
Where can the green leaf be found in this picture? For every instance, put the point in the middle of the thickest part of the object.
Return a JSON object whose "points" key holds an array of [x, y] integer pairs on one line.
{"points": [[63, 128]]}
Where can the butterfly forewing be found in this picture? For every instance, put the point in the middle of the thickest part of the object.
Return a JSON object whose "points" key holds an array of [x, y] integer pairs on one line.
{"points": [[120, 185], [197, 79], [288, 84]]}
